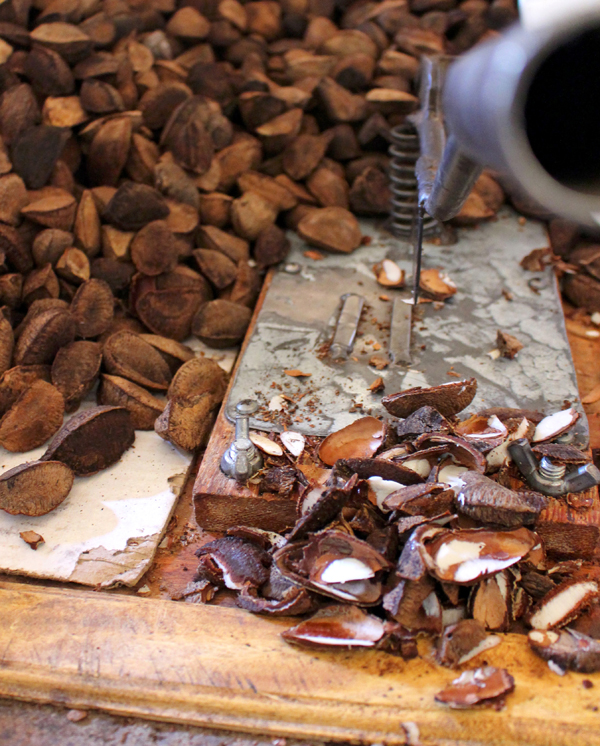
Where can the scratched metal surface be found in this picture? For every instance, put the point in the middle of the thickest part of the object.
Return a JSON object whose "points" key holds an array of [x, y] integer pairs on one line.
{"points": [[296, 316]]}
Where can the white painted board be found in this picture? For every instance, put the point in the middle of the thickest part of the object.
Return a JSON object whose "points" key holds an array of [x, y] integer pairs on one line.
{"points": [[108, 529]]}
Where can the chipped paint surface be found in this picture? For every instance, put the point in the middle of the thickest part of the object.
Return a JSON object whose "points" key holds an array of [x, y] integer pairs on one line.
{"points": [[108, 529], [296, 319]]}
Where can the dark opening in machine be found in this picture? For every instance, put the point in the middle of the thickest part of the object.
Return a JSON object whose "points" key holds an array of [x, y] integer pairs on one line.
{"points": [[562, 113]]}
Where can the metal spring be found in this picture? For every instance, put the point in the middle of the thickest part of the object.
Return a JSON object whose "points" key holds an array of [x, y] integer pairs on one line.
{"points": [[404, 152]]}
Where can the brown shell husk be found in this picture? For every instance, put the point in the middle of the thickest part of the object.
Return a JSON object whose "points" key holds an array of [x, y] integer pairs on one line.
{"points": [[75, 370], [35, 488], [342, 625], [200, 375], [34, 417], [568, 649], [141, 405], [476, 687], [92, 440], [127, 355], [361, 439], [448, 398], [489, 502], [186, 421]]}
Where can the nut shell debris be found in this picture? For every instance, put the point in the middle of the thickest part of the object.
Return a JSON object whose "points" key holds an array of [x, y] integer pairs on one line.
{"points": [[337, 626], [361, 439], [486, 685], [447, 398]]}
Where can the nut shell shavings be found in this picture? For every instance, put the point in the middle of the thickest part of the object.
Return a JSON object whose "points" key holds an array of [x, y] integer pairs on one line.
{"points": [[489, 502], [389, 274], [463, 641], [32, 538], [563, 604], [293, 442], [337, 626], [231, 562], [555, 424], [508, 345], [361, 439], [92, 440], [35, 488], [265, 444], [568, 649], [447, 398], [471, 554], [436, 284], [486, 685], [335, 564]]}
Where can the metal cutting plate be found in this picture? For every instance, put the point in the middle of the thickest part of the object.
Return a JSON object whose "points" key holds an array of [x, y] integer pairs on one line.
{"points": [[449, 341]]}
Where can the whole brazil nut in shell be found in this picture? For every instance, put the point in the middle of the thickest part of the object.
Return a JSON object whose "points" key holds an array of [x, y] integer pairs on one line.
{"points": [[75, 370], [141, 405], [126, 354], [92, 440], [33, 418], [35, 488], [447, 398], [221, 323]]}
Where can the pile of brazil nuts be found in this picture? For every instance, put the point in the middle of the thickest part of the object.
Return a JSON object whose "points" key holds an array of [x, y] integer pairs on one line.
{"points": [[152, 155]]}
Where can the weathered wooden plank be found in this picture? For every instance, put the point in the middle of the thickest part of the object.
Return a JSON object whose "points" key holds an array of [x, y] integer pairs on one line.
{"points": [[226, 668], [221, 502]]}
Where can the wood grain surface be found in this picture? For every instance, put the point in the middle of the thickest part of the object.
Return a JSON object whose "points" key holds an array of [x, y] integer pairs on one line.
{"points": [[225, 668]]}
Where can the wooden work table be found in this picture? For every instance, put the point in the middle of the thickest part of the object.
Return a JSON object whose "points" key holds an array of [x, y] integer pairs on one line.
{"points": [[46, 725]]}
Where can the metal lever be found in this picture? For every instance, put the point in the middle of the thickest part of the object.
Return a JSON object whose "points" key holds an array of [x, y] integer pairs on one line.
{"points": [[242, 459], [549, 478]]}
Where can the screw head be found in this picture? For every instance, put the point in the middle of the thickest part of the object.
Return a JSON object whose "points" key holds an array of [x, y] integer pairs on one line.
{"points": [[246, 407]]}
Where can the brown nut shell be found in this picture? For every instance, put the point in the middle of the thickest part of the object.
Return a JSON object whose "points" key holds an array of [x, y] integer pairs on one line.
{"points": [[359, 440], [35, 488], [217, 267], [75, 370], [221, 323], [43, 336], [187, 421], [201, 375], [154, 249], [92, 308], [16, 380], [448, 398], [167, 303], [126, 354], [33, 418], [142, 406], [92, 440], [175, 353]]}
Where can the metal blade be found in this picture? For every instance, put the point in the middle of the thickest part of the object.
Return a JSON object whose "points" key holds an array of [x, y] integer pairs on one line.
{"points": [[417, 254], [401, 324], [347, 326], [400, 330]]}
